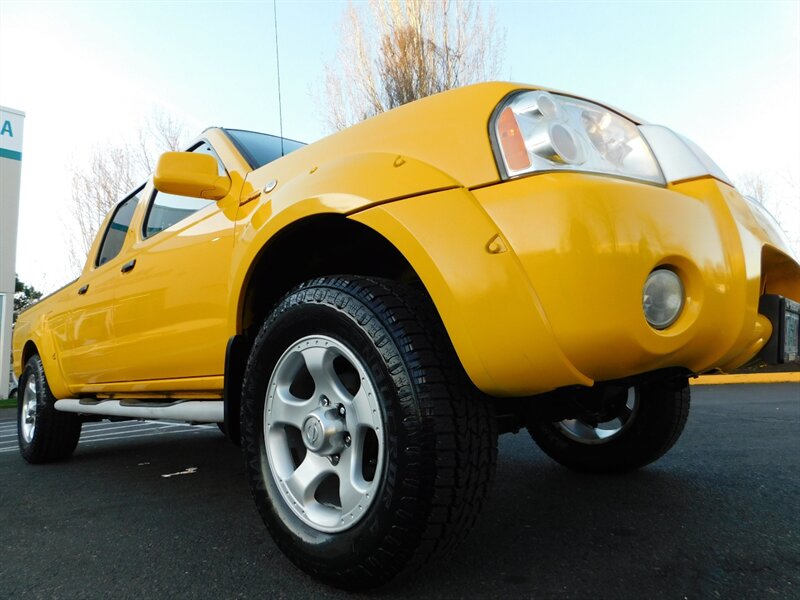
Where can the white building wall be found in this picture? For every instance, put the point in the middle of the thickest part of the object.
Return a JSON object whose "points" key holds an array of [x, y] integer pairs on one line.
{"points": [[11, 122]]}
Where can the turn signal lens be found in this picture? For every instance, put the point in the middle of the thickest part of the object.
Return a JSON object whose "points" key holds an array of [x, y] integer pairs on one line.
{"points": [[511, 141]]}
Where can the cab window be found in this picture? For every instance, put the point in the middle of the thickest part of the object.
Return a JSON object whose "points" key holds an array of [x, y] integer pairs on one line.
{"points": [[167, 209], [117, 229], [258, 149]]}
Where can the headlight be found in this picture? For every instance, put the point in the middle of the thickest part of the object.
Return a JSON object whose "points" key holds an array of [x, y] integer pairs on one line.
{"points": [[539, 131]]}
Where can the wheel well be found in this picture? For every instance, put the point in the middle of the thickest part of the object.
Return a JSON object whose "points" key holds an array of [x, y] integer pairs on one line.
{"points": [[314, 247], [779, 274], [28, 350]]}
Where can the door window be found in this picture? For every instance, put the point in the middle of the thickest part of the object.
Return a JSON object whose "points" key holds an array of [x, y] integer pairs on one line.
{"points": [[117, 229]]}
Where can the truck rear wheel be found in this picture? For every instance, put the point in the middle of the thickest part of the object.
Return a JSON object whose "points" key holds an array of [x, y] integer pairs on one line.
{"points": [[45, 434], [366, 447], [638, 429]]}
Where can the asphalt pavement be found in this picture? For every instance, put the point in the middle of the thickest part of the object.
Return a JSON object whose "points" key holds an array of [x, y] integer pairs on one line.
{"points": [[167, 514]]}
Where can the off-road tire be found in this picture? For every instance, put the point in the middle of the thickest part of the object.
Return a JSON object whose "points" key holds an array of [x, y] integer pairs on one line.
{"points": [[55, 434], [440, 435], [657, 425]]}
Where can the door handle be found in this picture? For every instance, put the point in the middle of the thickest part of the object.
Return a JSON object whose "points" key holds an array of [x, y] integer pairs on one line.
{"points": [[128, 266], [83, 290]]}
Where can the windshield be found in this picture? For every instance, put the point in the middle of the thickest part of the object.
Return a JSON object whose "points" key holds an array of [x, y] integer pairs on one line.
{"points": [[259, 148]]}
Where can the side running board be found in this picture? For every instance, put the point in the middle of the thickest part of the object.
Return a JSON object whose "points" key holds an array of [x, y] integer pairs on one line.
{"points": [[195, 411]]}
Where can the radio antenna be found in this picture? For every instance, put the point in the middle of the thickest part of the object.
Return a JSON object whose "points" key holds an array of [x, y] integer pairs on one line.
{"points": [[278, 69]]}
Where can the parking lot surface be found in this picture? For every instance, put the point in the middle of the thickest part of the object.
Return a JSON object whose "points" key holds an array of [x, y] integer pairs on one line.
{"points": [[149, 510]]}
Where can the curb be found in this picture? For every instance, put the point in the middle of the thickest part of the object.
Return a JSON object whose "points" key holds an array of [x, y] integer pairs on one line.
{"points": [[790, 377]]}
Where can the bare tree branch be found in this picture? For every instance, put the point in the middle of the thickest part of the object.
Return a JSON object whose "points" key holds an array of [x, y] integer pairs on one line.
{"points": [[779, 193], [755, 186], [397, 51], [114, 171]]}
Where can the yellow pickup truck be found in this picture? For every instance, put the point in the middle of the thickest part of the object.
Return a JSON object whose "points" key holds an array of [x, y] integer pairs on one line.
{"points": [[365, 314]]}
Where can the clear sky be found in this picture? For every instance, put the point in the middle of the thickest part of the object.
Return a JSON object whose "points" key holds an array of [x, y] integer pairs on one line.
{"points": [[725, 74]]}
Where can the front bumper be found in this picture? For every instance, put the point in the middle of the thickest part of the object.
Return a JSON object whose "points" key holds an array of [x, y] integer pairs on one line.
{"points": [[588, 243], [539, 280]]}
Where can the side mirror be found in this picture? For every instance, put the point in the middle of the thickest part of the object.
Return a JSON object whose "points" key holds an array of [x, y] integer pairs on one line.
{"points": [[190, 174]]}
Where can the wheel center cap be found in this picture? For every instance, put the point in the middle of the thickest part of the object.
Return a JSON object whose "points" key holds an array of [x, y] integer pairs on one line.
{"points": [[314, 433], [323, 432]]}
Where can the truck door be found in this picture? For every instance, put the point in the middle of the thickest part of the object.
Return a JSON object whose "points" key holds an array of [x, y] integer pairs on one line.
{"points": [[170, 314], [88, 333]]}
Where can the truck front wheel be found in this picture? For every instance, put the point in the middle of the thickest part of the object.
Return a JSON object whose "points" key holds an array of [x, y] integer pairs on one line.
{"points": [[366, 448], [632, 432], [45, 434]]}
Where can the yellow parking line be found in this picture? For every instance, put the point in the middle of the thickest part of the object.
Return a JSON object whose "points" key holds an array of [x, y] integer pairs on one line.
{"points": [[790, 377]]}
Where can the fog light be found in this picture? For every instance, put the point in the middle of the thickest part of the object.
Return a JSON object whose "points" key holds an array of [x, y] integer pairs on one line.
{"points": [[662, 298]]}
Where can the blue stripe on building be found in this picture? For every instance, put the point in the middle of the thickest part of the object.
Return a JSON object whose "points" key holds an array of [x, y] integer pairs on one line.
{"points": [[12, 154]]}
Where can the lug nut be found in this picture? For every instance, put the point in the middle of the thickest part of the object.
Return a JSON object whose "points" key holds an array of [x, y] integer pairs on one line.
{"points": [[324, 401], [341, 410], [335, 459], [348, 440]]}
